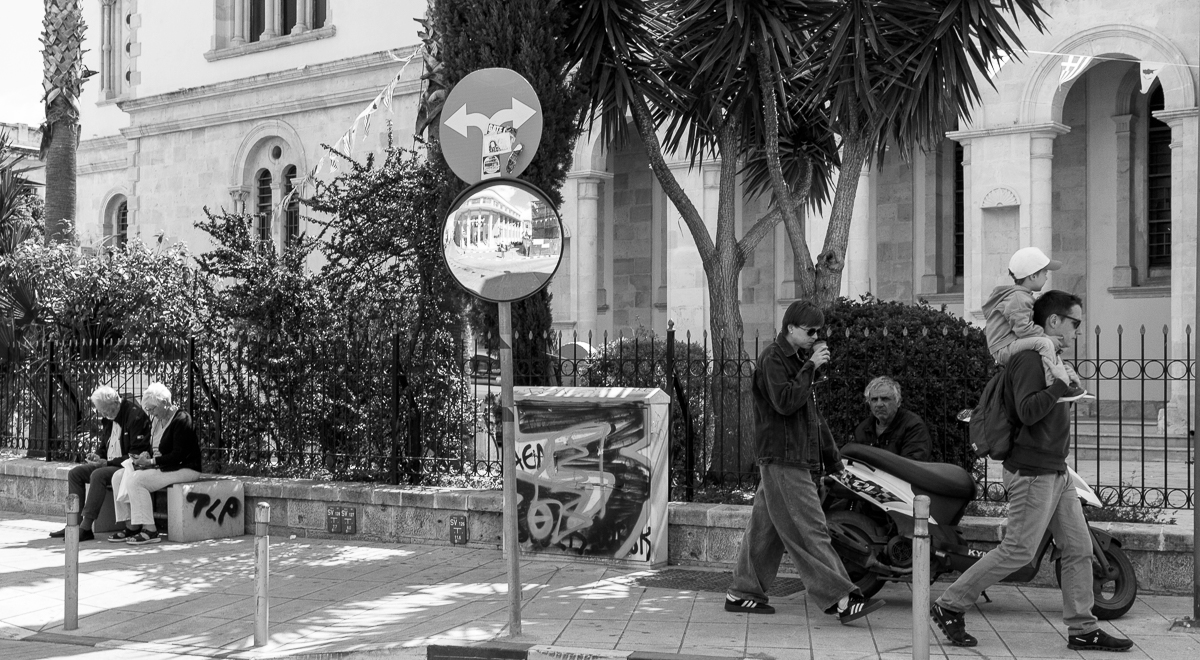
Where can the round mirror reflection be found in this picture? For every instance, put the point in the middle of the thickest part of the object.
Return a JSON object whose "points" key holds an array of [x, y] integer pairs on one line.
{"points": [[502, 240]]}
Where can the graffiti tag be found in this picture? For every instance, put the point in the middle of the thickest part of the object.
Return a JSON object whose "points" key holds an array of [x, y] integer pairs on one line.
{"points": [[201, 500]]}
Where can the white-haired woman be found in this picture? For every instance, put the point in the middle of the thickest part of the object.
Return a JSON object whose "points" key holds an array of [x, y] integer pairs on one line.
{"points": [[175, 459]]}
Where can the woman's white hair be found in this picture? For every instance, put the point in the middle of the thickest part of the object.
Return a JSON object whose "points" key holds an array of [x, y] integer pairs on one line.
{"points": [[157, 394], [105, 397]]}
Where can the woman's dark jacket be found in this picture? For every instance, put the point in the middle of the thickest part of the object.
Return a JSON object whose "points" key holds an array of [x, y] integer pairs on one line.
{"points": [[179, 447], [135, 432], [788, 428]]}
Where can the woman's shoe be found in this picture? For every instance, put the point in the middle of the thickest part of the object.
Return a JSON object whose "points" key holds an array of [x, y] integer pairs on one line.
{"points": [[143, 537], [122, 536]]}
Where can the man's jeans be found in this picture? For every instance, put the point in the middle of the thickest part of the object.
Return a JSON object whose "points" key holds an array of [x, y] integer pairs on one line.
{"points": [[787, 515], [1035, 503], [98, 477]]}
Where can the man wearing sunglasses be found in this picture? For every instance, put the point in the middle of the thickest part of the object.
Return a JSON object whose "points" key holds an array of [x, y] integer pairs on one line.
{"points": [[1040, 494], [793, 443]]}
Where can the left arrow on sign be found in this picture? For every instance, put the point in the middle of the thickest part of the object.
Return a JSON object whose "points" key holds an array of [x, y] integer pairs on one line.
{"points": [[460, 121]]}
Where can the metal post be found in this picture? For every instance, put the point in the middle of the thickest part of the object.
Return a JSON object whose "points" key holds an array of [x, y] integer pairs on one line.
{"points": [[262, 567], [920, 578], [71, 583], [509, 429], [394, 462], [192, 379]]}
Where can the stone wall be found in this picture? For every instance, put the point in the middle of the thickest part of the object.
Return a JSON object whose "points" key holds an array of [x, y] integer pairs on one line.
{"points": [[705, 535]]}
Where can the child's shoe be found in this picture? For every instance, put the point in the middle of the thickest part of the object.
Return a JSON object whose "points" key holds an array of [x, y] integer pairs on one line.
{"points": [[1075, 393]]}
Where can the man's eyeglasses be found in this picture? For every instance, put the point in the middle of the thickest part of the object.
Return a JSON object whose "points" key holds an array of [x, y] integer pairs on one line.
{"points": [[1075, 323], [811, 332]]}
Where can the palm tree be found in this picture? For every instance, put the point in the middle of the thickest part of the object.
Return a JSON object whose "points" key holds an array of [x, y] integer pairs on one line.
{"points": [[898, 74], [62, 38], [18, 297], [775, 87]]}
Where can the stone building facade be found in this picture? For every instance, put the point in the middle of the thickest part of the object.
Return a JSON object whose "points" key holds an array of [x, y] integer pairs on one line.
{"points": [[214, 104]]}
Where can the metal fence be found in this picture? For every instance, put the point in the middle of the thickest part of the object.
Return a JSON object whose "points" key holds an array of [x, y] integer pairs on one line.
{"points": [[351, 411]]}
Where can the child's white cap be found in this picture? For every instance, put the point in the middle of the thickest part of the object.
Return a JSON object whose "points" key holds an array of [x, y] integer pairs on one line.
{"points": [[1027, 261]]}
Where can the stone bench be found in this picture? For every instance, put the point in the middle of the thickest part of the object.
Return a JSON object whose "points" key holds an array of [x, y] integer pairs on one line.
{"points": [[211, 508]]}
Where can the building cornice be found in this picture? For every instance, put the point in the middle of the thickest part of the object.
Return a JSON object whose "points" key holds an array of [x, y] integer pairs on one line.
{"points": [[1052, 127], [1166, 116], [259, 112], [105, 142], [307, 73]]}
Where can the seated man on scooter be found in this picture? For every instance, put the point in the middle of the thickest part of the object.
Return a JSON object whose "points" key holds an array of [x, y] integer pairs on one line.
{"points": [[1040, 494], [889, 427]]}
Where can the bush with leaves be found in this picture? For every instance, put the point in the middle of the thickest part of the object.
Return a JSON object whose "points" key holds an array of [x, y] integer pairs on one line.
{"points": [[383, 242], [940, 361]]}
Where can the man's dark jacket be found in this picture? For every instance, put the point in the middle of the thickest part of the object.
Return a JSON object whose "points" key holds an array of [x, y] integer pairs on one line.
{"points": [[788, 428], [135, 432], [1044, 438], [905, 436]]}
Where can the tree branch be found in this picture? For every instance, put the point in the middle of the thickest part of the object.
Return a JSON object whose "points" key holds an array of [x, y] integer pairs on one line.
{"points": [[674, 192]]}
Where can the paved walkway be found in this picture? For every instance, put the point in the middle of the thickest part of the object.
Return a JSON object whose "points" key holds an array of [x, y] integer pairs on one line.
{"points": [[345, 599]]}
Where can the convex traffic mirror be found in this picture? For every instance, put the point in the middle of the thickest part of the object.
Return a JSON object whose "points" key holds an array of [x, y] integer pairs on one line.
{"points": [[502, 240]]}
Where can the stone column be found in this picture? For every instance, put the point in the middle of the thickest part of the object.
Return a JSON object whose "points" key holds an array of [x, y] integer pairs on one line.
{"points": [[587, 221], [1183, 125], [303, 9], [857, 280], [108, 69], [1039, 231], [239, 194], [1125, 273], [271, 20], [239, 23]]}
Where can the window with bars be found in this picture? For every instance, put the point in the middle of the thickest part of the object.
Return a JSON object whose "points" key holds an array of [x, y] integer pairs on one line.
{"points": [[960, 214], [262, 206], [1158, 189], [122, 229], [291, 226]]}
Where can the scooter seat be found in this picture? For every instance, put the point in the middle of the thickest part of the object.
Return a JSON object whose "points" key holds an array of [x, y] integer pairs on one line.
{"points": [[939, 478]]}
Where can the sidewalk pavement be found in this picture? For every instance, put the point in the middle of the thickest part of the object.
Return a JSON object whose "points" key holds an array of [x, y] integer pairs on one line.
{"points": [[347, 599]]}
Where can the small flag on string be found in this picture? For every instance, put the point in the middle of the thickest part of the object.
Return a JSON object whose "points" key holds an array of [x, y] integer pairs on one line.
{"points": [[1072, 66], [1149, 72], [365, 116]]}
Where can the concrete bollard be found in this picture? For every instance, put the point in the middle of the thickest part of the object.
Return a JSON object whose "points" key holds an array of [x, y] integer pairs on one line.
{"points": [[920, 578], [262, 568], [71, 583]]}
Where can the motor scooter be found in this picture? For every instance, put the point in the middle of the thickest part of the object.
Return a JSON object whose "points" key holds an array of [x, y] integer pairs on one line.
{"points": [[870, 517]]}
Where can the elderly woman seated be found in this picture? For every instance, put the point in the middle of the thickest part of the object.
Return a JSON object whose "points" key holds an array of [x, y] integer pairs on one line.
{"points": [[175, 459]]}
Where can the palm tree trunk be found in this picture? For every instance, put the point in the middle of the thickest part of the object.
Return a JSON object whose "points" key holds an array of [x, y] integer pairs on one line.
{"points": [[60, 174], [62, 34]]}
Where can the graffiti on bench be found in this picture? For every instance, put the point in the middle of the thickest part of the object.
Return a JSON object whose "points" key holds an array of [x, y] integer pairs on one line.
{"points": [[201, 500], [209, 509]]}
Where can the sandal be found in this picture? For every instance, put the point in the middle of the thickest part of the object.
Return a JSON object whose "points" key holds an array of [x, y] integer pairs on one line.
{"points": [[122, 536], [143, 537]]}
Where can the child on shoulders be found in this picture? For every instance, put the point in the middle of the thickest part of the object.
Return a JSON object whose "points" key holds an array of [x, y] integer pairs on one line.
{"points": [[1009, 317]]}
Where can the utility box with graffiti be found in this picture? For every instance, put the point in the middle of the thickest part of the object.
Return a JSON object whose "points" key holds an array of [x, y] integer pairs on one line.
{"points": [[592, 473]]}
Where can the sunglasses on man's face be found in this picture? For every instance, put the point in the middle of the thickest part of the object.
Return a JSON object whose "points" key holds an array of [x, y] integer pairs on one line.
{"points": [[1075, 323], [811, 332]]}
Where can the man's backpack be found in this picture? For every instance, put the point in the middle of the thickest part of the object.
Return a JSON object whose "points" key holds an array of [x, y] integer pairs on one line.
{"points": [[991, 429]]}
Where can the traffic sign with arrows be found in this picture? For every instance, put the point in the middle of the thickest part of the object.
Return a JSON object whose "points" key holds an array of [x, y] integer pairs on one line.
{"points": [[491, 125]]}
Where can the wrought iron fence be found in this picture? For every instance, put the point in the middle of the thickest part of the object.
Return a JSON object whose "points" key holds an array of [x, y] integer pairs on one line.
{"points": [[350, 411]]}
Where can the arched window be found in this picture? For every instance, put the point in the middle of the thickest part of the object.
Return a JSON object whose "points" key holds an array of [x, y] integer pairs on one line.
{"points": [[1158, 189], [262, 205], [121, 236], [291, 227]]}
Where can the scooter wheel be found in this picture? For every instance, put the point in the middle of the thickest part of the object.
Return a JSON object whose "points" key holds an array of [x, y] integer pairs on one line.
{"points": [[1115, 593], [860, 529]]}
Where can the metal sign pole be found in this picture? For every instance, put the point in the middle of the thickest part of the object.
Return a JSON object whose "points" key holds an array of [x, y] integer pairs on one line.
{"points": [[509, 470]]}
